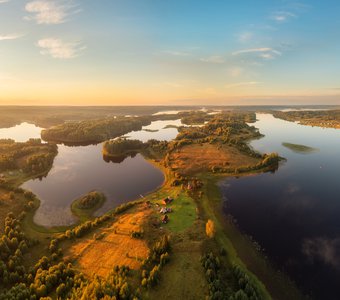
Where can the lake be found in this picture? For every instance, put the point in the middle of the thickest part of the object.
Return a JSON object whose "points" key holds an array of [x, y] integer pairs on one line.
{"points": [[21, 133], [79, 170], [294, 213]]}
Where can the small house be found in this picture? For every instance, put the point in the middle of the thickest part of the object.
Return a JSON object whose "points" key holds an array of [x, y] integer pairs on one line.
{"points": [[165, 219]]}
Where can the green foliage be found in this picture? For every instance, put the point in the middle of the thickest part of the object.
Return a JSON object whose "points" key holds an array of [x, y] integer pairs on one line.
{"points": [[90, 200], [217, 288], [245, 286], [114, 286], [121, 146], [94, 131], [157, 258], [33, 156], [321, 118], [194, 117]]}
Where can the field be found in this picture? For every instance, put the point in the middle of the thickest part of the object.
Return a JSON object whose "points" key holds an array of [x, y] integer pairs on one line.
{"points": [[112, 246], [198, 158]]}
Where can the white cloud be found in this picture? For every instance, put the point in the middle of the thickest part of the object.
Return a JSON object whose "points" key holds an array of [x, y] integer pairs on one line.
{"points": [[49, 12], [56, 48], [215, 59], [9, 36], [245, 37], [266, 53], [176, 53], [282, 16], [238, 84]]}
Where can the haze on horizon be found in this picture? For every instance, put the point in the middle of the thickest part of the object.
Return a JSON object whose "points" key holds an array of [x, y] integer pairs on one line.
{"points": [[110, 52]]}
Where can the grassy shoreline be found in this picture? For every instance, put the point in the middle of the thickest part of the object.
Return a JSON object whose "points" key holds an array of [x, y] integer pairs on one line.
{"points": [[84, 214], [242, 248]]}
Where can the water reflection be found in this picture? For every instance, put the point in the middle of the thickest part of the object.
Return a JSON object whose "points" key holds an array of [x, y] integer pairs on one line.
{"points": [[158, 130], [21, 133], [118, 158], [294, 213], [78, 170]]}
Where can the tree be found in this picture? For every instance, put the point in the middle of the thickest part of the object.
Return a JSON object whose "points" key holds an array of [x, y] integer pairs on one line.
{"points": [[210, 228], [61, 290]]}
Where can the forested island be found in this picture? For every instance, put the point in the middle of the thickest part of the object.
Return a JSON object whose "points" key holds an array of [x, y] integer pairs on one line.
{"points": [[135, 250], [303, 149]]}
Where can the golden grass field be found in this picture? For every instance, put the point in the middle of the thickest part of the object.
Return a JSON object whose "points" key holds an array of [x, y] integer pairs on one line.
{"points": [[197, 158], [116, 247]]}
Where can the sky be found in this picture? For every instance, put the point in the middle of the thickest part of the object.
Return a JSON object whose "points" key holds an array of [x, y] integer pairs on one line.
{"points": [[178, 52]]}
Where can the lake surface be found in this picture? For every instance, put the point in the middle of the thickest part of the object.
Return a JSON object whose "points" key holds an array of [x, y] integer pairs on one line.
{"points": [[156, 130], [79, 170], [294, 213], [21, 133]]}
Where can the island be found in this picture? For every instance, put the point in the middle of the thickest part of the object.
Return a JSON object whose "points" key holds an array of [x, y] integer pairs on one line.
{"points": [[302, 149], [85, 206]]}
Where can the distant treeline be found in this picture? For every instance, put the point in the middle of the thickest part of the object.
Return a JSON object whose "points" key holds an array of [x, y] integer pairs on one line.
{"points": [[94, 131], [47, 116], [321, 118]]}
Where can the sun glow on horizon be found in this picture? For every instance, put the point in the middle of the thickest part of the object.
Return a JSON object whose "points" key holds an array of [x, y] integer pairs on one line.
{"points": [[115, 53]]}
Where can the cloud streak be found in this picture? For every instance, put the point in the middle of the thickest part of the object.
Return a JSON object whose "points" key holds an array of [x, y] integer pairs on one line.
{"points": [[56, 48], [245, 37], [238, 84], [282, 16], [7, 37], [215, 59], [49, 12], [176, 53], [265, 52]]}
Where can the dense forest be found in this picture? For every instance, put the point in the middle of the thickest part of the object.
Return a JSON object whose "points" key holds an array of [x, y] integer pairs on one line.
{"points": [[32, 156], [121, 147], [321, 118], [94, 131]]}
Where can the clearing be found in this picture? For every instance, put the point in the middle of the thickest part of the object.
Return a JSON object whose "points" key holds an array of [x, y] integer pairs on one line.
{"points": [[112, 246], [197, 158]]}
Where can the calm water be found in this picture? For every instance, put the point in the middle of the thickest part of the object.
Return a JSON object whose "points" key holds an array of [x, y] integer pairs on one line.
{"points": [[294, 213], [162, 133], [78, 170], [21, 133]]}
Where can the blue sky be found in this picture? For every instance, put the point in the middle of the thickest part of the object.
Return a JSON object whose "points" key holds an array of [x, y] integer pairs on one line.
{"points": [[114, 52]]}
